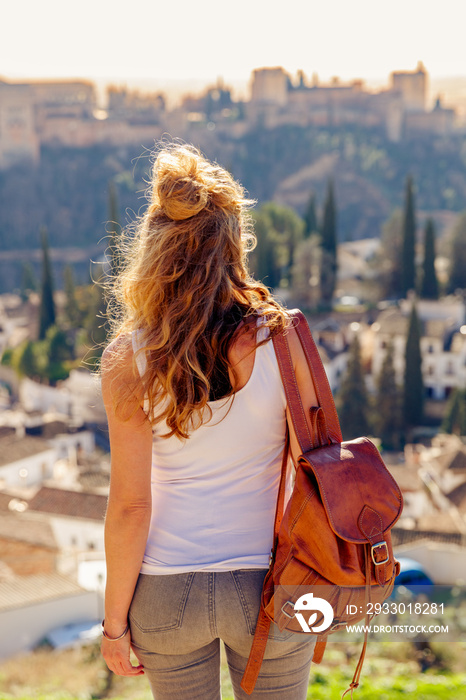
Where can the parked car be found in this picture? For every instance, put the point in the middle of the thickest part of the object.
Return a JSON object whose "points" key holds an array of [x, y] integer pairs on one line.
{"points": [[413, 576]]}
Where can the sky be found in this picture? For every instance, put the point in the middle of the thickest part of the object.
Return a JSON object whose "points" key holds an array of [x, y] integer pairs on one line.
{"points": [[201, 40]]}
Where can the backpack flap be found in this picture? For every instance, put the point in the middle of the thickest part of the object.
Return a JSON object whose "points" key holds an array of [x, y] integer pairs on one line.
{"points": [[361, 498]]}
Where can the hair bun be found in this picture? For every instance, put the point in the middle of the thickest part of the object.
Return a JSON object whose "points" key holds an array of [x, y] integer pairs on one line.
{"points": [[178, 188]]}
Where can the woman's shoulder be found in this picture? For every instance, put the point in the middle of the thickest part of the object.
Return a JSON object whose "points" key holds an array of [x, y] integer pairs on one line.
{"points": [[117, 356]]}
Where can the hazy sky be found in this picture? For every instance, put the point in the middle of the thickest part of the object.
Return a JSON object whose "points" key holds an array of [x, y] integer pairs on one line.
{"points": [[203, 39]]}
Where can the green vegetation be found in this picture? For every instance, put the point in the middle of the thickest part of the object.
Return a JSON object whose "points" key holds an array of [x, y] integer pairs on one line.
{"points": [[408, 267], [328, 267], [455, 414], [429, 283], [352, 400], [388, 259], [457, 278], [310, 217], [47, 304], [69, 190], [413, 385], [278, 231], [387, 405], [390, 672], [114, 228]]}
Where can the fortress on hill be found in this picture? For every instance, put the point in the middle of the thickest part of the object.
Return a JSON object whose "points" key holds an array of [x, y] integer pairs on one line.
{"points": [[66, 113]]}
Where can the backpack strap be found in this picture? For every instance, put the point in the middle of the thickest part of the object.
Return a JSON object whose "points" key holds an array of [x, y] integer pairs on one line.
{"points": [[326, 428], [318, 374], [256, 655]]}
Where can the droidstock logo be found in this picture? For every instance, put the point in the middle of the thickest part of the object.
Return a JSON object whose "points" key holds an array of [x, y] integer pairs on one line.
{"points": [[309, 604]]}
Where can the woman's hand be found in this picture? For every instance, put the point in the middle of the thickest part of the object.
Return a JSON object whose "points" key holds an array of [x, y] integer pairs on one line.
{"points": [[117, 656]]}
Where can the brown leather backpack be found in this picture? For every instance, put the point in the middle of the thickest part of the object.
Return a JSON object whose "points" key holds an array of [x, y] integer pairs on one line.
{"points": [[333, 540]]}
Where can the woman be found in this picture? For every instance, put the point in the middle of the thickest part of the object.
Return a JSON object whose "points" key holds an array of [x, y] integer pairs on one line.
{"points": [[197, 418]]}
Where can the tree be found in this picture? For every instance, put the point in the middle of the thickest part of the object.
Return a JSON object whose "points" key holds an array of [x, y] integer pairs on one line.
{"points": [[329, 247], [25, 360], [352, 400], [57, 350], [71, 304], [278, 231], [413, 388], [387, 405], [264, 262], [47, 305], [289, 232], [306, 271], [429, 286], [95, 322], [455, 414], [408, 267], [114, 229], [388, 259], [310, 218], [457, 277]]}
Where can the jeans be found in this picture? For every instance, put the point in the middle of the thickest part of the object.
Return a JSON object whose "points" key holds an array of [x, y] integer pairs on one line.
{"points": [[178, 620]]}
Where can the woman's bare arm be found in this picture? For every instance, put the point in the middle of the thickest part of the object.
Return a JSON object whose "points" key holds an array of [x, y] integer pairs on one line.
{"points": [[129, 505]]}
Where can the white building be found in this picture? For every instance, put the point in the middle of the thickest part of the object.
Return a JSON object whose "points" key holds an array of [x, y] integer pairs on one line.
{"points": [[76, 518], [77, 397], [25, 461], [33, 606], [443, 343]]}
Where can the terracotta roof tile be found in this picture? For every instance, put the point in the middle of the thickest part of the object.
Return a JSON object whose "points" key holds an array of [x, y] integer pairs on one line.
{"points": [[13, 448], [30, 590], [458, 497], [23, 528], [76, 504]]}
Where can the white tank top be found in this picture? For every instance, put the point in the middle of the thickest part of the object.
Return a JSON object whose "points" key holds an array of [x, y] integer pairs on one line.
{"points": [[214, 495]]}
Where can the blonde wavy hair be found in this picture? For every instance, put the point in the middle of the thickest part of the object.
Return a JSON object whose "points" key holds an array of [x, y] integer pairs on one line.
{"points": [[182, 271]]}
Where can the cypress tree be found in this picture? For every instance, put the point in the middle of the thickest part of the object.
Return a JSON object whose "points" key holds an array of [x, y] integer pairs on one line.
{"points": [[352, 399], [47, 305], [429, 288], [71, 303], [408, 268], [388, 258], [387, 407], [457, 278], [413, 389], [310, 218], [114, 229], [329, 247]]}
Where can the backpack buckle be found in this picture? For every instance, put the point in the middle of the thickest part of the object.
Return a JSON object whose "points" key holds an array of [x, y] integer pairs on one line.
{"points": [[373, 554], [288, 602]]}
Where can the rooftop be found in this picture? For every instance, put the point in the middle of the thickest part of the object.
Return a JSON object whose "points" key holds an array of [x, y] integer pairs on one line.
{"points": [[458, 497], [23, 528], [21, 591], [13, 448], [78, 504]]}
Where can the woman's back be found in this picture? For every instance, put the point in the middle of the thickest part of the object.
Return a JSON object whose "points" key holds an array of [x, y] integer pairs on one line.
{"points": [[214, 494], [194, 476]]}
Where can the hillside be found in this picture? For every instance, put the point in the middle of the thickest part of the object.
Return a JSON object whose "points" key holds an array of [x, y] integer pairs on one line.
{"points": [[68, 191]]}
